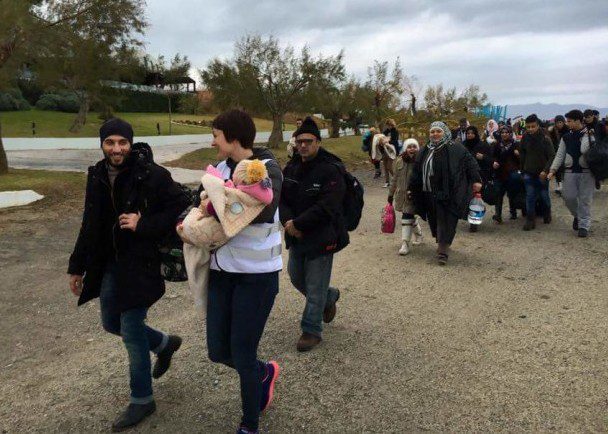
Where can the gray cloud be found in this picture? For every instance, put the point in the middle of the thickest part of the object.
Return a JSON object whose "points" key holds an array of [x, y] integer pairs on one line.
{"points": [[517, 51]]}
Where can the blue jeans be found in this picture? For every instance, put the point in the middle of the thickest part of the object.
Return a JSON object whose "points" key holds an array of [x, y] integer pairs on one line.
{"points": [[139, 339], [311, 277], [238, 305], [536, 188]]}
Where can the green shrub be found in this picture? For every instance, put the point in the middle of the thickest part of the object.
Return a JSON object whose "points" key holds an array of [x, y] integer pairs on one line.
{"points": [[31, 90], [12, 100], [61, 102], [132, 101]]}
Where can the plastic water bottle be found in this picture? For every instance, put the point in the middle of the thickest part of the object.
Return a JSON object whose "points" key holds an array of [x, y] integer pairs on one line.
{"points": [[477, 210]]}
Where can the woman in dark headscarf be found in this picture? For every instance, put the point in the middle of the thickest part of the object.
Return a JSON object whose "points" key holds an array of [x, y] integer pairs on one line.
{"points": [[445, 174], [556, 132], [482, 152], [507, 178]]}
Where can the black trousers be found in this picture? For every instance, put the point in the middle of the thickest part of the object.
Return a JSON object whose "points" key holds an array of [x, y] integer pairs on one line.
{"points": [[441, 220]]}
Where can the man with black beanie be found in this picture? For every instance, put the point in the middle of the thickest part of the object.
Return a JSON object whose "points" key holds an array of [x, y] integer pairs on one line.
{"points": [[579, 182], [312, 213], [131, 204]]}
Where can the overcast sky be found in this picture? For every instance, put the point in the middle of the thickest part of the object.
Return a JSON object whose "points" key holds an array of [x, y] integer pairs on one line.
{"points": [[517, 51]]}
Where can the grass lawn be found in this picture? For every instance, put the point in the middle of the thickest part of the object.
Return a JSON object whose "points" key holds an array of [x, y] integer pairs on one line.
{"points": [[57, 124], [347, 148], [55, 186]]}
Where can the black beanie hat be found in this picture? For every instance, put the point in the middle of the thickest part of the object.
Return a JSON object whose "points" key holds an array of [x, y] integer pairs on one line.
{"points": [[588, 112], [575, 115], [116, 126], [309, 126], [559, 118]]}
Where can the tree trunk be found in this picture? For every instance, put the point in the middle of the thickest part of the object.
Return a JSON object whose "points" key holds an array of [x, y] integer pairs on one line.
{"points": [[276, 136], [81, 117], [413, 106], [335, 127], [3, 160]]}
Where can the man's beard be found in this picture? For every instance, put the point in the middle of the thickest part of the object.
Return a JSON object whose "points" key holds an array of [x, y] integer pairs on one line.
{"points": [[117, 166]]}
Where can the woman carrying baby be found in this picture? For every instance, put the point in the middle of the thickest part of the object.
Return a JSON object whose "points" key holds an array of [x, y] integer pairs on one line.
{"points": [[244, 271]]}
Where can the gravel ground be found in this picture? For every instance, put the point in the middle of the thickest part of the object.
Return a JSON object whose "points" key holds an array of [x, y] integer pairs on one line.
{"points": [[510, 336]]}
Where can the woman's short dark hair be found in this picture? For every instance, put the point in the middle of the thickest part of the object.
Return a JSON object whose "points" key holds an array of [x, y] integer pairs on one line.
{"points": [[236, 125]]}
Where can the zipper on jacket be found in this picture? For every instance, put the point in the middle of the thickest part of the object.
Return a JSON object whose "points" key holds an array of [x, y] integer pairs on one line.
{"points": [[115, 212]]}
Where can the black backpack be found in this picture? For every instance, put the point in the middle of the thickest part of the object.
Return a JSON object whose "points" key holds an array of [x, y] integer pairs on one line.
{"points": [[172, 266], [352, 204], [597, 158]]}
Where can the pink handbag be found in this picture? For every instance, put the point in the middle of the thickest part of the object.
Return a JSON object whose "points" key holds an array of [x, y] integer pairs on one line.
{"points": [[388, 219]]}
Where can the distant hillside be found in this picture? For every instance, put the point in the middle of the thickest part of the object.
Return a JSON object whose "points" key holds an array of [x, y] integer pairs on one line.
{"points": [[549, 111]]}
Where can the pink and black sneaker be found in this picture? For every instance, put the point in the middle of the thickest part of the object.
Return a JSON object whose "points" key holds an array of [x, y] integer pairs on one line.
{"points": [[272, 373]]}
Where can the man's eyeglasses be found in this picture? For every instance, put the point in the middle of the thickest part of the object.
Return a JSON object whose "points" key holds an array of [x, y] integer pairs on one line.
{"points": [[306, 142]]}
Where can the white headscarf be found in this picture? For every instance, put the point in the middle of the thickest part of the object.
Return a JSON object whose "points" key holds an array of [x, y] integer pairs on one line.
{"points": [[427, 165]]}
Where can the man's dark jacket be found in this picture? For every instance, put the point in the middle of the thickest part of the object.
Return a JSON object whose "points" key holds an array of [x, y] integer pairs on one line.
{"points": [[537, 153], [312, 196], [455, 171], [141, 187]]}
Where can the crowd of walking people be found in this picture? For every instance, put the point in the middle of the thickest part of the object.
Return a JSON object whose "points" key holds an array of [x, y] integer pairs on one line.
{"points": [[232, 229], [437, 184]]}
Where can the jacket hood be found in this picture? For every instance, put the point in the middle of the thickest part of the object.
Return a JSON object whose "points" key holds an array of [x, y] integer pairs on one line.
{"points": [[262, 153], [328, 156]]}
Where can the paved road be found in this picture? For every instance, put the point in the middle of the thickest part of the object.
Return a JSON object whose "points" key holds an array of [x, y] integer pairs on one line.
{"points": [[79, 160]]}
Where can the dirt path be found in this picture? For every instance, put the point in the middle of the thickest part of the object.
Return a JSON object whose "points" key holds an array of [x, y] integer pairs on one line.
{"points": [[511, 336]]}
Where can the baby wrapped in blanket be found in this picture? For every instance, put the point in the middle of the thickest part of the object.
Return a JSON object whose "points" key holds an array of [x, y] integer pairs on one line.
{"points": [[226, 208]]}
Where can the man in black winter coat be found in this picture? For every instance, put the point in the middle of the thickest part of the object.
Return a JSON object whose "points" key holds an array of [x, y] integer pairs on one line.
{"points": [[459, 134], [131, 204], [312, 214], [537, 154]]}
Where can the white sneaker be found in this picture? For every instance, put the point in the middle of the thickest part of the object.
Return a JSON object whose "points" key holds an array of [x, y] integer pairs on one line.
{"points": [[405, 249], [385, 185], [418, 239]]}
